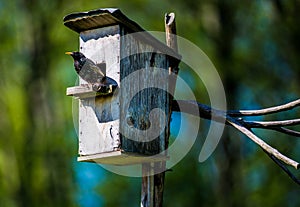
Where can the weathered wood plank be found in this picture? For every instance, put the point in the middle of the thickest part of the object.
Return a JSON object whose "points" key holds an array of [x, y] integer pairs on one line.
{"points": [[99, 116], [146, 89], [121, 158], [86, 91]]}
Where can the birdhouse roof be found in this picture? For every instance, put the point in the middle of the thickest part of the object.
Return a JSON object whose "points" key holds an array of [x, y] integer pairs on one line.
{"points": [[82, 21], [93, 19]]}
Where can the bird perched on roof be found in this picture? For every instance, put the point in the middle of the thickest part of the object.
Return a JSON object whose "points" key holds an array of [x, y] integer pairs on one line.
{"points": [[91, 72]]}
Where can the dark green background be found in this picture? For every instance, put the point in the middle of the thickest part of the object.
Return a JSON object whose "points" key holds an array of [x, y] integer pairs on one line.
{"points": [[256, 49]]}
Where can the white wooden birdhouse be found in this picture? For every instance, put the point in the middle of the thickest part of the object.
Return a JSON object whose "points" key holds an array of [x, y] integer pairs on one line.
{"points": [[114, 127]]}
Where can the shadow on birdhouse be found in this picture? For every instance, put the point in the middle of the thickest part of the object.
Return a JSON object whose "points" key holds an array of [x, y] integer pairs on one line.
{"points": [[127, 124]]}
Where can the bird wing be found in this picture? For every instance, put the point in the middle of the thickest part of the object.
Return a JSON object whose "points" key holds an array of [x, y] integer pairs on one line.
{"points": [[102, 67], [95, 69], [90, 72]]}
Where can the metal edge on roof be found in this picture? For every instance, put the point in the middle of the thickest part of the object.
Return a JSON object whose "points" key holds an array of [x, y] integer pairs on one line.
{"points": [[98, 18]]}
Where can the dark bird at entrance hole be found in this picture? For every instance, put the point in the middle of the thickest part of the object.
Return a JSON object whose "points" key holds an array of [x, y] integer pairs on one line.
{"points": [[91, 72]]}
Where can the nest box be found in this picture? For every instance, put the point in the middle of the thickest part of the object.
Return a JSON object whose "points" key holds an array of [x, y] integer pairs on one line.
{"points": [[111, 123]]}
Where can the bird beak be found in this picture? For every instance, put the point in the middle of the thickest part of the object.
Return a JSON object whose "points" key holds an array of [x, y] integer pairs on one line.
{"points": [[69, 53]]}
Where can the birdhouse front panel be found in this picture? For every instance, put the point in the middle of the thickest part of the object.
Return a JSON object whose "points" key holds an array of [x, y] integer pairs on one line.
{"points": [[99, 115]]}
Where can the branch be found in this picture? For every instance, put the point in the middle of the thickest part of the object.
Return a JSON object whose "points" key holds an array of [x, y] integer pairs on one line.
{"points": [[272, 124], [287, 131], [284, 168], [195, 108], [262, 144], [233, 118], [275, 109], [275, 125], [206, 112]]}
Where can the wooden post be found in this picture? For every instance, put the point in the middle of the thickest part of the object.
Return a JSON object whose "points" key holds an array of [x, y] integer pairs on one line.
{"points": [[171, 40], [147, 194], [153, 185], [170, 27]]}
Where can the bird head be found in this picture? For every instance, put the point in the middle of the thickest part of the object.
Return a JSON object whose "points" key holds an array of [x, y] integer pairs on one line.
{"points": [[76, 55]]}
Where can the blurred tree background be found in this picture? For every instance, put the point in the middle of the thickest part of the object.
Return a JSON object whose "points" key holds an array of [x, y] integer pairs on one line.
{"points": [[256, 49]]}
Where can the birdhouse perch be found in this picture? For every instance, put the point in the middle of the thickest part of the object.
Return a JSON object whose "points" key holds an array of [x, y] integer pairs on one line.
{"points": [[109, 122]]}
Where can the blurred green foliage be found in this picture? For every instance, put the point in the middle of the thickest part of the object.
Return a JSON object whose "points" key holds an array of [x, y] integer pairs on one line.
{"points": [[255, 47]]}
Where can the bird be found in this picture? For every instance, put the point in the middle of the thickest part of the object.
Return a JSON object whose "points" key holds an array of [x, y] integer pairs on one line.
{"points": [[91, 72]]}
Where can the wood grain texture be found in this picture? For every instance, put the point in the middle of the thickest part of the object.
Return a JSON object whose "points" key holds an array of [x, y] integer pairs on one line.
{"points": [[120, 158], [99, 115], [86, 91], [145, 61]]}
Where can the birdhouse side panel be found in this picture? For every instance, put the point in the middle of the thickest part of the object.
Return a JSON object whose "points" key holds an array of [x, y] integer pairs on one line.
{"points": [[99, 115], [144, 98]]}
